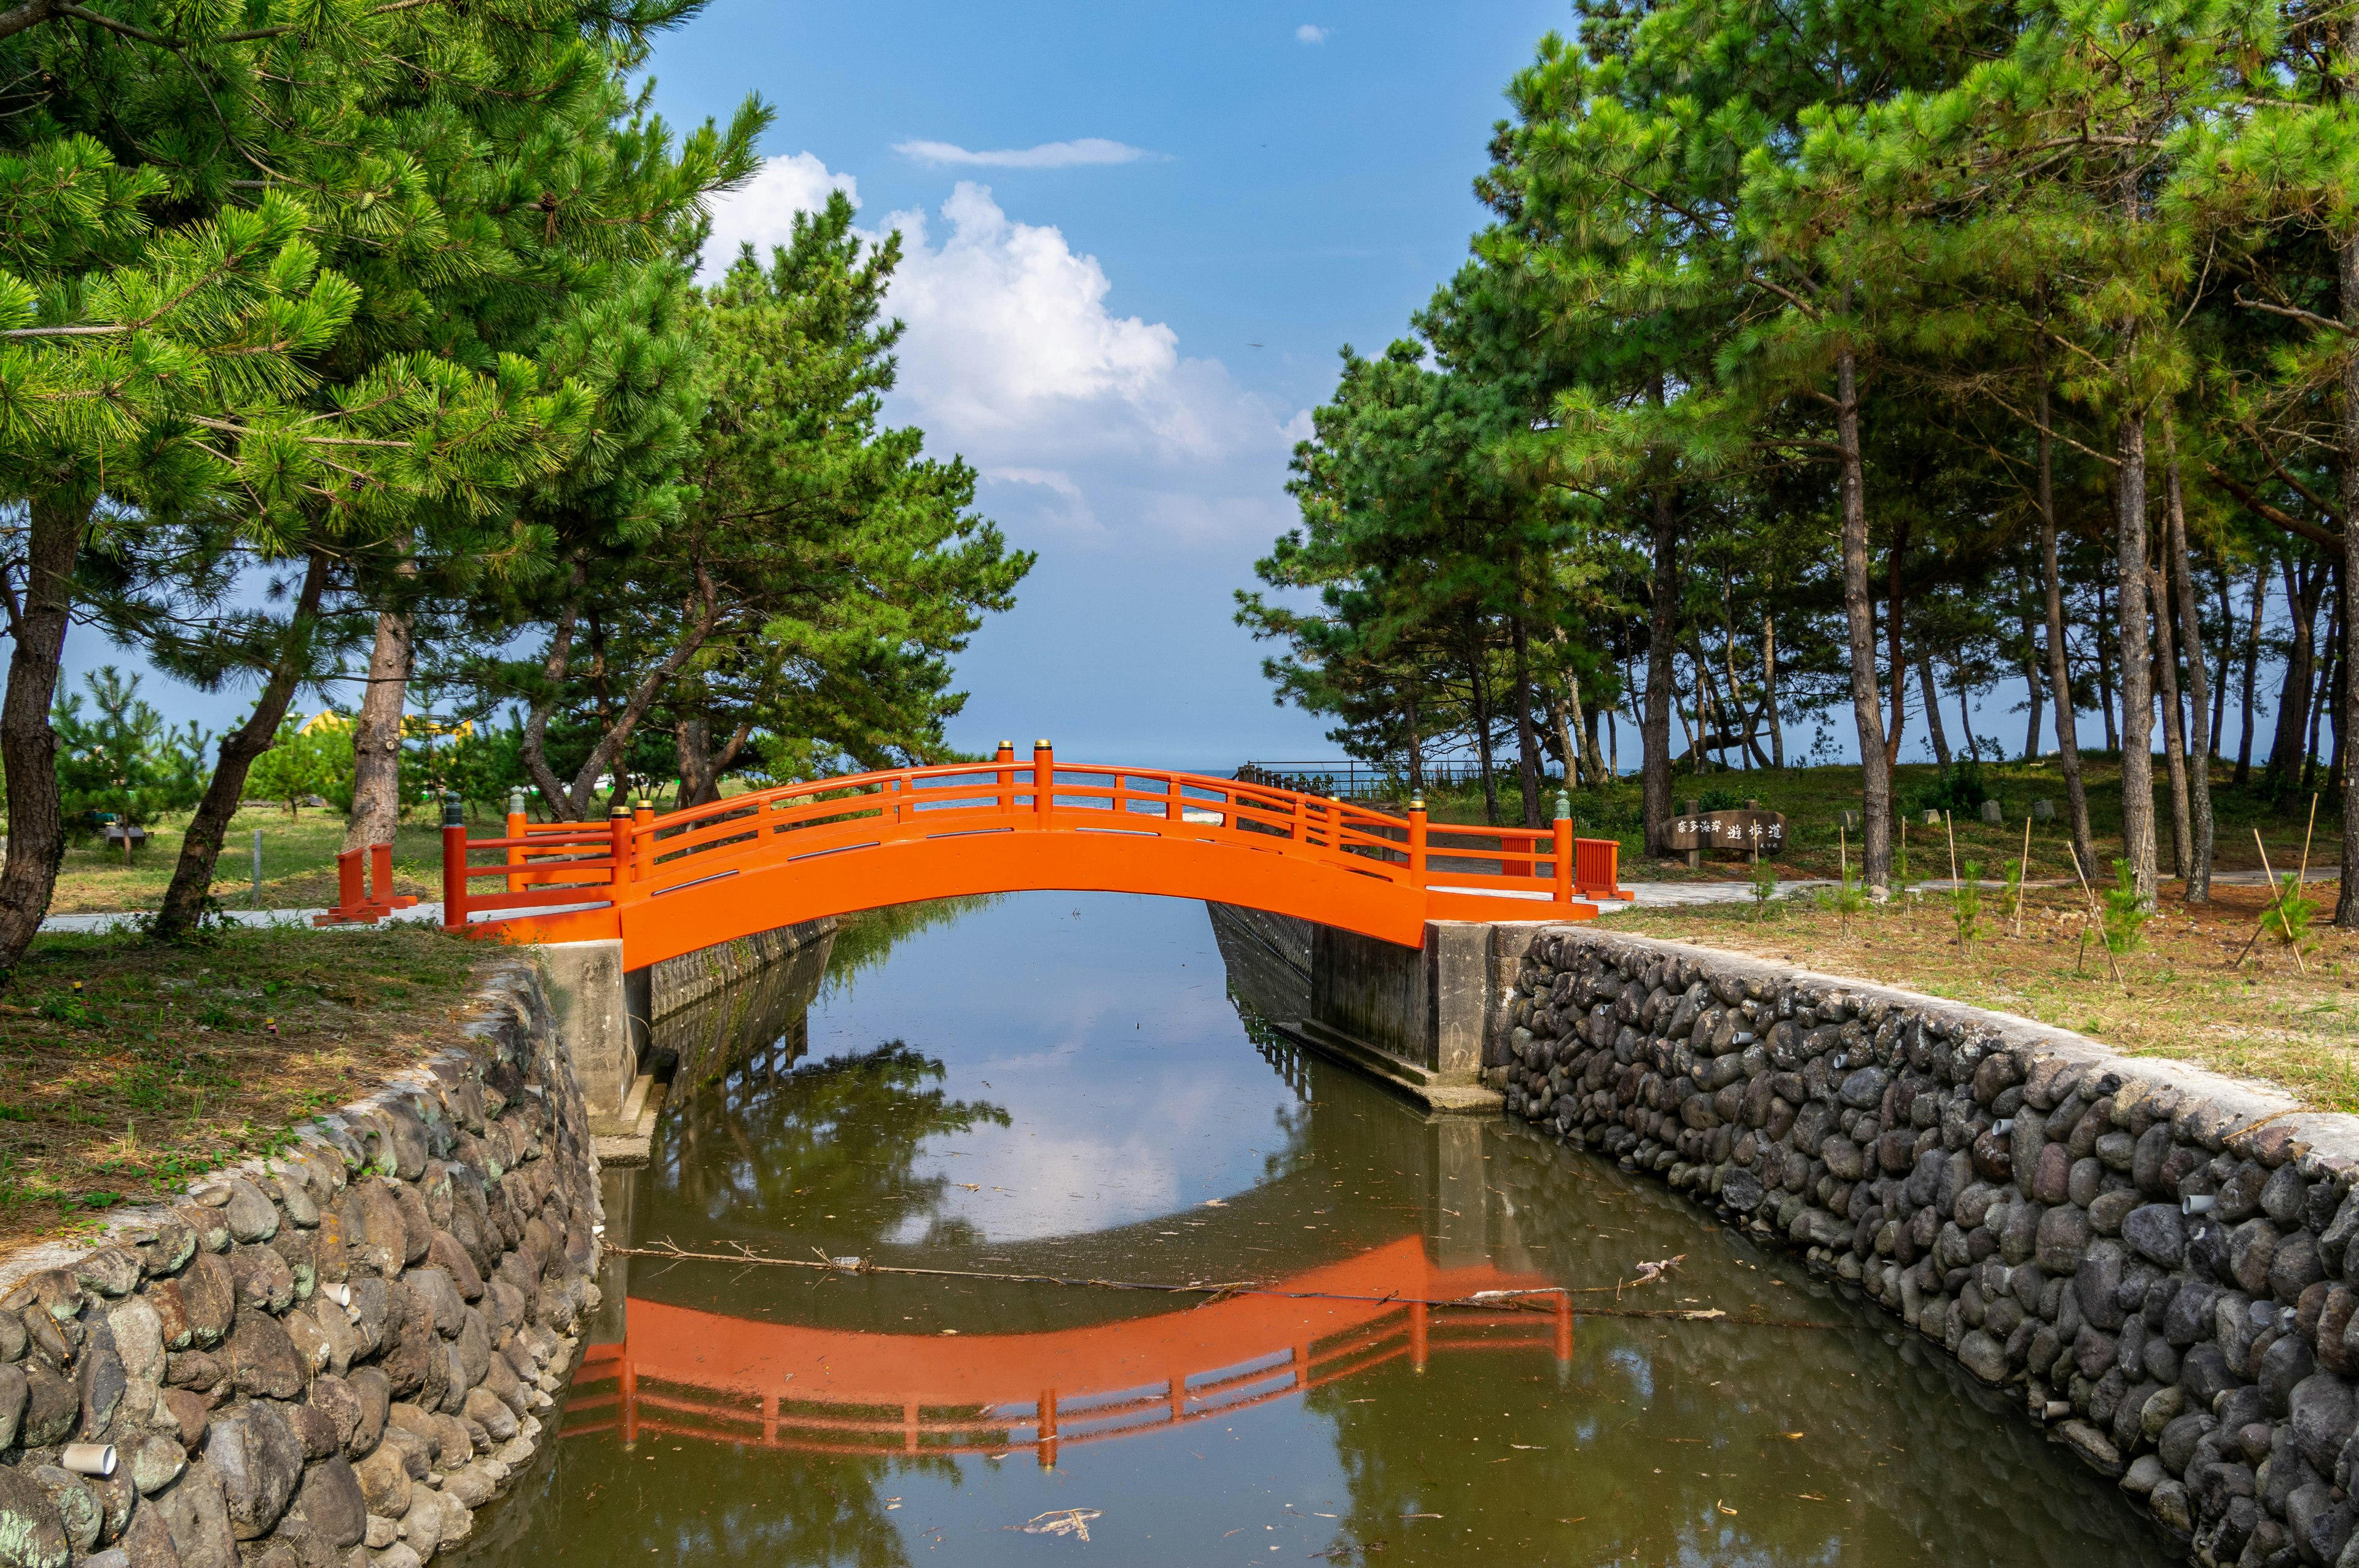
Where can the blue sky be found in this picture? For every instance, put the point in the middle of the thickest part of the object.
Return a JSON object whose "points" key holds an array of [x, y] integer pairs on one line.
{"points": [[1080, 328], [1136, 236]]}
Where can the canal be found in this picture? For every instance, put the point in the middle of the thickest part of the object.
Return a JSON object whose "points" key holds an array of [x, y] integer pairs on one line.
{"points": [[1084, 1087]]}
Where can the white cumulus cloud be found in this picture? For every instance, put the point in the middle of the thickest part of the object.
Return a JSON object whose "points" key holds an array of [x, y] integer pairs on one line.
{"points": [[762, 212], [1047, 154], [1310, 33], [1092, 422], [1012, 350]]}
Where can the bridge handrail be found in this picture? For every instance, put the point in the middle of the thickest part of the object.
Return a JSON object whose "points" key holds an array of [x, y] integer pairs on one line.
{"points": [[643, 854]]}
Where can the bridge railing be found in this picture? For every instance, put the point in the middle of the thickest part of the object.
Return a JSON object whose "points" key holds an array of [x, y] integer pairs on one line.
{"points": [[610, 1392], [544, 866]]}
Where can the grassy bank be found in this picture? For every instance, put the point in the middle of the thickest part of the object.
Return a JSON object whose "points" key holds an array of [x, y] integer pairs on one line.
{"points": [[298, 863], [1814, 799], [127, 1068], [2183, 994]]}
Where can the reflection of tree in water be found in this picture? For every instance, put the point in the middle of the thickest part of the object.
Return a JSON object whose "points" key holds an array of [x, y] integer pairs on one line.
{"points": [[865, 939], [1412, 1451], [844, 1133], [719, 1504]]}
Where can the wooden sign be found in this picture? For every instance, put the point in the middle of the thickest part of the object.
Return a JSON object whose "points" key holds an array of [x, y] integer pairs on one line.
{"points": [[1742, 831]]}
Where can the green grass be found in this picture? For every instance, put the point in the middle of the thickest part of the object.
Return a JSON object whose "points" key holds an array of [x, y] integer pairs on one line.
{"points": [[128, 1067], [1813, 801]]}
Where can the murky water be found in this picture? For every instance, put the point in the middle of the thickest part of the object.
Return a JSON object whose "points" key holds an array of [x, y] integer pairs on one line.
{"points": [[1062, 1085]]}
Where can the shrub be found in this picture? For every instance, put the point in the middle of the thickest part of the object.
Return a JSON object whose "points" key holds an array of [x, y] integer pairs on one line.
{"points": [[2125, 913], [122, 759], [1966, 908], [1959, 790], [2287, 918]]}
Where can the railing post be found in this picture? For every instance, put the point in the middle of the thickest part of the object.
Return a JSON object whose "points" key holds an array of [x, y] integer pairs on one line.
{"points": [[643, 837], [1044, 780], [1563, 849], [618, 839], [1005, 758], [381, 876], [1046, 1424], [1416, 842], [517, 823], [1301, 817], [454, 867]]}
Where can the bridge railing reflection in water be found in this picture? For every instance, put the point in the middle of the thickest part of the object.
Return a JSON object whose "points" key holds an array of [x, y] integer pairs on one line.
{"points": [[683, 1373]]}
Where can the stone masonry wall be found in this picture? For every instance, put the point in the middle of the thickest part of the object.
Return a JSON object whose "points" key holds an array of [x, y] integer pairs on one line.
{"points": [[329, 1357], [2161, 1262], [682, 982]]}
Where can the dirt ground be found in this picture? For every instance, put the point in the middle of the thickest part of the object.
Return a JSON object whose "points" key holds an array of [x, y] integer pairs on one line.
{"points": [[2184, 993], [127, 1068]]}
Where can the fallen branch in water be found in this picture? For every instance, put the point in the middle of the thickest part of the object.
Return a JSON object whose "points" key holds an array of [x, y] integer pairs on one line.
{"points": [[1540, 1298]]}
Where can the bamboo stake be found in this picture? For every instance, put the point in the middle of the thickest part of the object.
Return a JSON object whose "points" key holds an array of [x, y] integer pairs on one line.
{"points": [[2022, 877], [2090, 895], [2279, 902], [2304, 878], [1956, 888], [1842, 879]]}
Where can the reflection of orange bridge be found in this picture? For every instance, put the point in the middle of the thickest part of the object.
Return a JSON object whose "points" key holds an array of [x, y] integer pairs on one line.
{"points": [[684, 1373], [672, 883]]}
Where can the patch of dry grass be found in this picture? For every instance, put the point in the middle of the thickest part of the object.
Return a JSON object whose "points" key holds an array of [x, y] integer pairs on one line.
{"points": [[2183, 995], [128, 1067]]}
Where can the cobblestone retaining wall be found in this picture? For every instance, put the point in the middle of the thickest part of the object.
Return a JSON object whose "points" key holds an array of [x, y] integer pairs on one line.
{"points": [[2162, 1264], [333, 1358], [682, 982]]}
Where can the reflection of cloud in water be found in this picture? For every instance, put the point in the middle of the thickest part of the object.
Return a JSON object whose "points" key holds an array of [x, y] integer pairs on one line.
{"points": [[1128, 1092], [1057, 1174]]}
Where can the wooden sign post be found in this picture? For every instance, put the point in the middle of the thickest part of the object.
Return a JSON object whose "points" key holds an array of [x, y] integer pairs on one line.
{"points": [[1747, 832]]}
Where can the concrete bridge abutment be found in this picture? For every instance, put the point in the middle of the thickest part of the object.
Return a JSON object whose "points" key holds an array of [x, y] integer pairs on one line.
{"points": [[1421, 1018]]}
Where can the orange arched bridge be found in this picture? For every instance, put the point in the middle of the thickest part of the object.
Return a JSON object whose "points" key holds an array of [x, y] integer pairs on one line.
{"points": [[699, 1375], [671, 884]]}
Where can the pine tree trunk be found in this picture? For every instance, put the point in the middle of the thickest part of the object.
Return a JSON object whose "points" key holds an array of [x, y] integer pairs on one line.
{"points": [[2227, 643], [192, 874], [2198, 695], [2174, 743], [28, 746], [1859, 620], [2031, 681], [1896, 665], [691, 744], [2105, 672], [2244, 775], [2135, 652], [1662, 635], [377, 737], [1476, 657], [1769, 690], [2059, 673], [2323, 695], [2302, 589], [1571, 725], [1527, 740], [534, 746], [1416, 745], [1935, 730], [1966, 711], [2346, 902]]}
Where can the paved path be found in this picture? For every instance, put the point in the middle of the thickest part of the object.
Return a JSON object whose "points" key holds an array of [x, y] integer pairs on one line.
{"points": [[422, 914]]}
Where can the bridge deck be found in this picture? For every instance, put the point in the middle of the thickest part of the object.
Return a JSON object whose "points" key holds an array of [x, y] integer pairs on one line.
{"points": [[671, 884]]}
